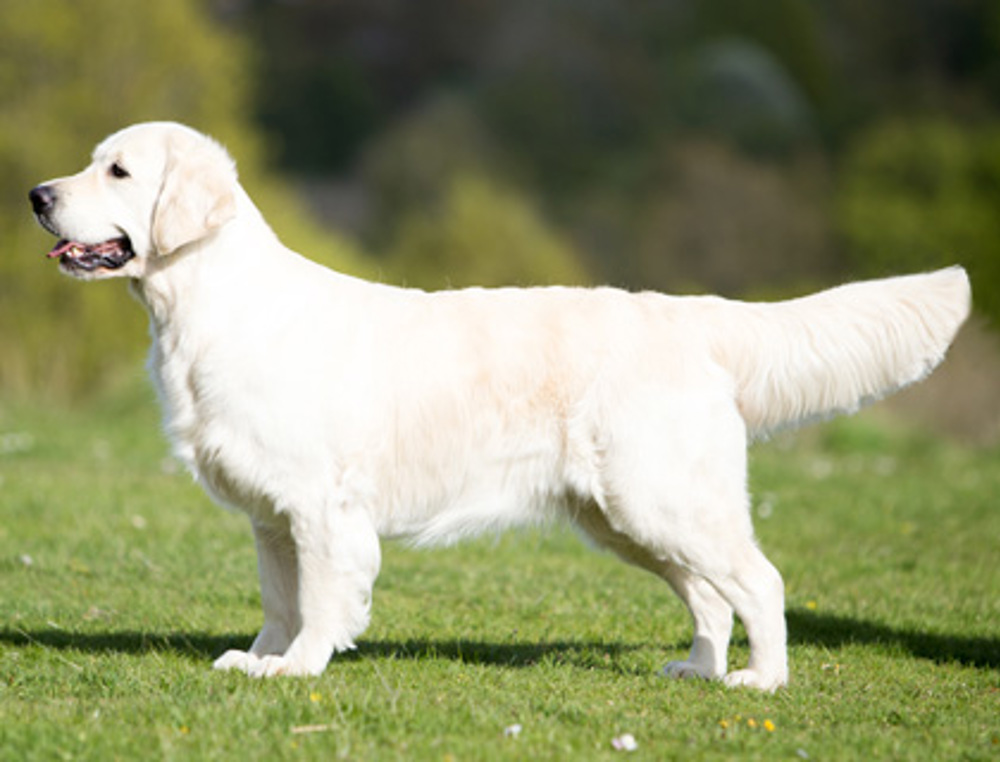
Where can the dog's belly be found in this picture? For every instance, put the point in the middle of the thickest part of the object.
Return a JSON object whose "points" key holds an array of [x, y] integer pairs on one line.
{"points": [[461, 505], [429, 495]]}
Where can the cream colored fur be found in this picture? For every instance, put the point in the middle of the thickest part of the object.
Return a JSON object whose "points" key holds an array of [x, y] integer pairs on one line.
{"points": [[334, 411]]}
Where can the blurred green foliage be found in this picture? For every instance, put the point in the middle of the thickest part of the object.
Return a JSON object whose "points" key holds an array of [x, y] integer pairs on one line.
{"points": [[590, 104], [412, 164], [925, 193], [450, 213], [72, 71], [481, 235], [688, 145]]}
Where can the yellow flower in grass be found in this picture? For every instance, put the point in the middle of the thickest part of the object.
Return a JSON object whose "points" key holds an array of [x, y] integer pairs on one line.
{"points": [[751, 723]]}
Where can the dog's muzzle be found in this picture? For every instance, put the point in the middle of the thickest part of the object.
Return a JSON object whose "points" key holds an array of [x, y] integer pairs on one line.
{"points": [[75, 256]]}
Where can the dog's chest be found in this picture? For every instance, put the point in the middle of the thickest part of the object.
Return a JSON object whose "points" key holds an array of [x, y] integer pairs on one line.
{"points": [[208, 430]]}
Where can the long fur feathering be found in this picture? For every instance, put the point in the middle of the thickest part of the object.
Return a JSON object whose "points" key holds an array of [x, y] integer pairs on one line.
{"points": [[832, 352]]}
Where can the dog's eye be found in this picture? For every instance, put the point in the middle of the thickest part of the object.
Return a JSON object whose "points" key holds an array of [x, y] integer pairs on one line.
{"points": [[118, 171]]}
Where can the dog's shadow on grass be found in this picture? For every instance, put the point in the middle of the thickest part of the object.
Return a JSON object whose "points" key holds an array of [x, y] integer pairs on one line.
{"points": [[811, 628], [203, 646], [590, 654], [805, 628], [194, 644]]}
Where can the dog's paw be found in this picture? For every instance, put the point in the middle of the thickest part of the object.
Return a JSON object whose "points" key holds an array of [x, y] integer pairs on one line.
{"points": [[238, 660], [276, 666], [686, 670], [751, 678]]}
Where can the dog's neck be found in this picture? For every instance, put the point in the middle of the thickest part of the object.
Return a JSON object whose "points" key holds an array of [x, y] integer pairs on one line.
{"points": [[178, 276]]}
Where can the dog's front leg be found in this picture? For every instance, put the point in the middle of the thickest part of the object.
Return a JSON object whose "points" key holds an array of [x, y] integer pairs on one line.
{"points": [[337, 559], [277, 569]]}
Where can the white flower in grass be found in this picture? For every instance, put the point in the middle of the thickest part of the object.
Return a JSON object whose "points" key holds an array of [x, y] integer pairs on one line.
{"points": [[625, 742]]}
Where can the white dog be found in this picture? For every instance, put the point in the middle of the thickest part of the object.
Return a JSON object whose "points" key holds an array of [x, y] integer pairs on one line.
{"points": [[334, 411]]}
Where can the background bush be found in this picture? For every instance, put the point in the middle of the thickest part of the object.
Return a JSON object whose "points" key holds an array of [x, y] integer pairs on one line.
{"points": [[698, 145], [925, 193], [72, 71], [483, 235]]}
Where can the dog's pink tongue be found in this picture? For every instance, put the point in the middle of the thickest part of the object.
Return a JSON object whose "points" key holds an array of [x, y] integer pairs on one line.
{"points": [[61, 248]]}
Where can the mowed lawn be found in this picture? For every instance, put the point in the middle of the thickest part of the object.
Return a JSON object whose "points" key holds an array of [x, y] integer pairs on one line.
{"points": [[120, 582]]}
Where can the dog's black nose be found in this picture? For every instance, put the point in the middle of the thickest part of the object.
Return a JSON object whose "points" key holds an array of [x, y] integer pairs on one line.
{"points": [[43, 198]]}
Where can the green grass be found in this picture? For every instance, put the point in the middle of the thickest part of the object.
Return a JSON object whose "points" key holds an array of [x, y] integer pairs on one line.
{"points": [[119, 583]]}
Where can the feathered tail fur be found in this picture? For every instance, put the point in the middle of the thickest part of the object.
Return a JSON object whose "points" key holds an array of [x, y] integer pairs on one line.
{"points": [[836, 350]]}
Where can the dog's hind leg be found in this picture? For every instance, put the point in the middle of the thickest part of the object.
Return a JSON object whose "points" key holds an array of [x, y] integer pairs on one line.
{"points": [[732, 576], [755, 590], [713, 625], [673, 500], [739, 578], [711, 616]]}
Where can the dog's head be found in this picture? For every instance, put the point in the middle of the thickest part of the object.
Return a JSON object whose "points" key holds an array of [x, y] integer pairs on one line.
{"points": [[151, 190]]}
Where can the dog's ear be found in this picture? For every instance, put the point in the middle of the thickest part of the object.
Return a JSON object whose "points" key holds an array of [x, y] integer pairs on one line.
{"points": [[197, 195]]}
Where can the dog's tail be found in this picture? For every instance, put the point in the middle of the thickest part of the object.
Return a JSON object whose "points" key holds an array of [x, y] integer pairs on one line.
{"points": [[836, 350]]}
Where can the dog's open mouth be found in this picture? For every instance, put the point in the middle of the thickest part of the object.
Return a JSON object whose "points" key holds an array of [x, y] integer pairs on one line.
{"points": [[109, 255]]}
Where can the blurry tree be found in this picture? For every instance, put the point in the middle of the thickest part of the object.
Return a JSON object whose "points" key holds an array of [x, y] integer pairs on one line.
{"points": [[719, 220], [736, 90], [924, 193], [579, 99], [567, 86], [791, 32], [333, 74], [480, 235], [411, 166], [450, 211], [71, 71], [929, 53]]}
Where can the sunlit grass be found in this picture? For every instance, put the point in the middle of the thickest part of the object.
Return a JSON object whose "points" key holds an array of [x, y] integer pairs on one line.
{"points": [[120, 583]]}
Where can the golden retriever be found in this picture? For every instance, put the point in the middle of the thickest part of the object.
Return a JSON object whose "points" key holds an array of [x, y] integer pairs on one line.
{"points": [[334, 411]]}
